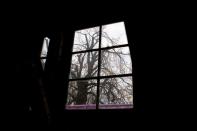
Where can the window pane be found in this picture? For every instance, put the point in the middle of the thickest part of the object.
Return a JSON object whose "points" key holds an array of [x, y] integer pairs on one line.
{"points": [[86, 39], [116, 61], [116, 93], [45, 47], [84, 65], [114, 34], [82, 94]]}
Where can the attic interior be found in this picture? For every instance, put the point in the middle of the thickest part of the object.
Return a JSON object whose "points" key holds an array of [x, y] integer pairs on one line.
{"points": [[41, 93]]}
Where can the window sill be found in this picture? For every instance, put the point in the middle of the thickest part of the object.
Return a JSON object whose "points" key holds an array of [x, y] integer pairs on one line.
{"points": [[102, 106]]}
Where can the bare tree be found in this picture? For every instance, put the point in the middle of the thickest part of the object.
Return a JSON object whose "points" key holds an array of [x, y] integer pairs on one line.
{"points": [[115, 61]]}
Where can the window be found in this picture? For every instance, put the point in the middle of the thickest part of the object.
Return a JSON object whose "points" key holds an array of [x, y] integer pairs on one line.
{"points": [[101, 69], [43, 55]]}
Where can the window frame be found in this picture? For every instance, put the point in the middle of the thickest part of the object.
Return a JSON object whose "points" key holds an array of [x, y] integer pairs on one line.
{"points": [[99, 77]]}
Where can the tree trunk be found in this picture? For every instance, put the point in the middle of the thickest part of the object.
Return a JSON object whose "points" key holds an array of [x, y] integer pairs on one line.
{"points": [[82, 92]]}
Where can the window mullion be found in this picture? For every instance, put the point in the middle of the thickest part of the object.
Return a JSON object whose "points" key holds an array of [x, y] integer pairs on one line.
{"points": [[99, 68], [102, 48]]}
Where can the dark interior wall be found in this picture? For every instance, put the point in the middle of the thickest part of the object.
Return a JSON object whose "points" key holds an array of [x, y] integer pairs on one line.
{"points": [[161, 59], [25, 93], [31, 78]]}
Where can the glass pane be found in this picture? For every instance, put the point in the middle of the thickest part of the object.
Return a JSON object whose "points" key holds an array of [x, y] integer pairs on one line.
{"points": [[84, 65], [116, 93], [45, 47], [114, 34], [82, 94], [116, 61], [86, 39]]}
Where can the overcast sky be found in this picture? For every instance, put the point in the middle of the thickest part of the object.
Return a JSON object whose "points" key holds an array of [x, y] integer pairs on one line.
{"points": [[115, 31]]}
